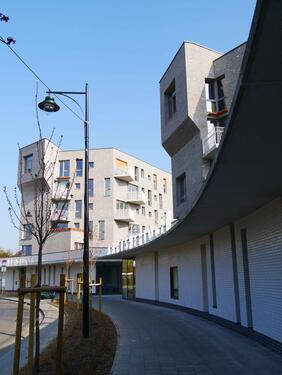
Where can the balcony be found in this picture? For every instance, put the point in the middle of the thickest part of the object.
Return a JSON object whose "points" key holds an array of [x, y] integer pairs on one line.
{"points": [[124, 173], [211, 142], [125, 214], [136, 197], [61, 197], [59, 216]]}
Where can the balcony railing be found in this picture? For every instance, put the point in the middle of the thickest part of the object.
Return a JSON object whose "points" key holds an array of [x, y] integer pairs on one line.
{"points": [[60, 216], [212, 141], [125, 214], [138, 240], [124, 173], [136, 197]]}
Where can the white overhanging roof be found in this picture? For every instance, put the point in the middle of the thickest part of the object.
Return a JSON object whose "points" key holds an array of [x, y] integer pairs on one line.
{"points": [[246, 173]]}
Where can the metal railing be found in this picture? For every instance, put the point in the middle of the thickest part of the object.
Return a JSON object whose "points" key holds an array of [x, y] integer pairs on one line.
{"points": [[138, 239], [213, 139]]}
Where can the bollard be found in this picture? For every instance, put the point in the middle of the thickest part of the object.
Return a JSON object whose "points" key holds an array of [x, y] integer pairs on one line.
{"points": [[60, 326], [100, 294], [17, 351], [33, 282]]}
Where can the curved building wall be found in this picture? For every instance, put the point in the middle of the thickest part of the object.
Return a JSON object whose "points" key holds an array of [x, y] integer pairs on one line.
{"points": [[237, 278]]}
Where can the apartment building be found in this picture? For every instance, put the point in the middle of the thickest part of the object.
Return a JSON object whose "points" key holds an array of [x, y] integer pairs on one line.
{"points": [[220, 120], [127, 197]]}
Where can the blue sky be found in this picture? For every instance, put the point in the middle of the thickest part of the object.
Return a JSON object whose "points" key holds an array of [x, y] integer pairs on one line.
{"points": [[121, 48]]}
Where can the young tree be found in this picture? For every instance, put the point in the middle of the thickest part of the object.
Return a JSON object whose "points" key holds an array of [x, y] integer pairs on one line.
{"points": [[37, 213]]}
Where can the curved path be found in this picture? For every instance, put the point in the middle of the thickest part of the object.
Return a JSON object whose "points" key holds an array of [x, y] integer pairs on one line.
{"points": [[154, 340]]}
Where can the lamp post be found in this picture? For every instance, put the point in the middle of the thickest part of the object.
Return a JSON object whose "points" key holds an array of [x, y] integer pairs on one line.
{"points": [[49, 105]]}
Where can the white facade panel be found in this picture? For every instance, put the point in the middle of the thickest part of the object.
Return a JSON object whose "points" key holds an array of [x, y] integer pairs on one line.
{"points": [[145, 276], [264, 238], [223, 275]]}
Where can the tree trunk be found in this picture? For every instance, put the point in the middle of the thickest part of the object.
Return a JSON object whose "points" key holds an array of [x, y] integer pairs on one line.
{"points": [[37, 332]]}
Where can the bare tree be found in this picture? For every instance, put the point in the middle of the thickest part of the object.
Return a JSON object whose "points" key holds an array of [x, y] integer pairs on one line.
{"points": [[37, 213]]}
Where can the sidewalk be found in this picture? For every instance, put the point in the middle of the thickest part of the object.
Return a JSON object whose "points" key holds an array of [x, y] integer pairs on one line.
{"points": [[48, 331], [154, 340]]}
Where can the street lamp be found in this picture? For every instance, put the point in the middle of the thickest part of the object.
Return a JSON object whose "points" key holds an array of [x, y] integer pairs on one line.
{"points": [[49, 105]]}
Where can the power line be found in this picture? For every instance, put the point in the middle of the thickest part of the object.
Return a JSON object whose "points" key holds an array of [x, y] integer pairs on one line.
{"points": [[39, 79]]}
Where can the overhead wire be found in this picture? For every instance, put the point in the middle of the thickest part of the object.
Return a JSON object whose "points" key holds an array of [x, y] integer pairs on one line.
{"points": [[39, 79]]}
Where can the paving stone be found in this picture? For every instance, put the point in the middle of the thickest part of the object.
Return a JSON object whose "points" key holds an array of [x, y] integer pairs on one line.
{"points": [[154, 340]]}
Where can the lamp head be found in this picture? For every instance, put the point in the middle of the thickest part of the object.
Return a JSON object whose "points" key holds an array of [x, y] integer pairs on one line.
{"points": [[49, 104]]}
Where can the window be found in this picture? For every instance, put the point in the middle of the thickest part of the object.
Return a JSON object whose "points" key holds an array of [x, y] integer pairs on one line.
{"points": [[91, 187], [61, 225], [149, 177], [78, 209], [78, 245], [164, 185], [137, 211], [215, 95], [91, 206], [143, 190], [77, 185], [181, 189], [149, 197], [143, 210], [91, 164], [121, 205], [155, 197], [27, 232], [155, 181], [62, 209], [77, 225], [174, 283], [107, 186], [134, 229], [28, 163], [142, 173], [170, 100], [136, 173], [143, 228], [150, 214], [156, 217], [101, 224], [132, 188], [64, 168], [62, 188], [160, 201], [79, 167], [26, 250]]}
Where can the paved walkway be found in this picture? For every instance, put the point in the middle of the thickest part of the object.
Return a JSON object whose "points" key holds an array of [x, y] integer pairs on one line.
{"points": [[159, 341], [48, 330]]}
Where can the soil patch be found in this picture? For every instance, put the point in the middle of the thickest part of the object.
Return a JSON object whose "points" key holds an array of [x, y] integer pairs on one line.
{"points": [[81, 356]]}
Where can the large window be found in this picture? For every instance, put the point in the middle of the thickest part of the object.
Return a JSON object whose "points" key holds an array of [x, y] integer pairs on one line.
{"points": [[156, 217], [134, 229], [107, 185], [174, 293], [101, 224], [62, 210], [181, 189], [78, 209], [91, 187], [121, 205], [79, 167], [26, 250], [28, 163], [64, 168], [27, 231], [170, 100], [215, 95]]}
